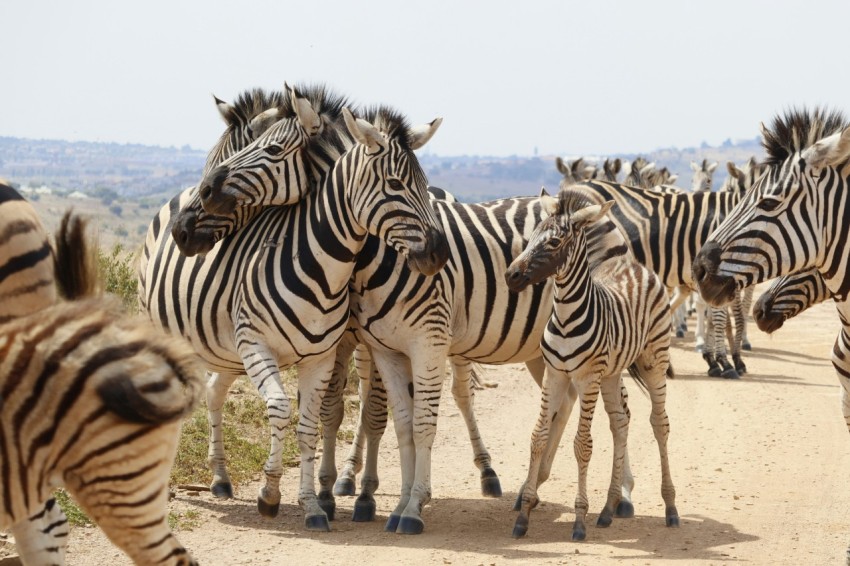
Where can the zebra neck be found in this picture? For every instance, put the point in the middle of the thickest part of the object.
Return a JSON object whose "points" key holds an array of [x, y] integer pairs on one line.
{"points": [[576, 295], [833, 261]]}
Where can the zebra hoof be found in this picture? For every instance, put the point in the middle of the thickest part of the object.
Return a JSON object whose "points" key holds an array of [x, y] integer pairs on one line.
{"points": [[715, 371], [605, 518], [730, 374], [490, 485], [680, 333], [410, 526], [579, 532], [392, 523], [223, 490], [364, 509], [267, 509], [672, 518], [625, 510], [317, 523], [520, 527], [328, 505], [747, 346], [344, 486]]}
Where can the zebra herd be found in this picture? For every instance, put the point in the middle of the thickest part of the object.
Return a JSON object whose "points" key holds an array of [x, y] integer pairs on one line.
{"points": [[313, 236]]}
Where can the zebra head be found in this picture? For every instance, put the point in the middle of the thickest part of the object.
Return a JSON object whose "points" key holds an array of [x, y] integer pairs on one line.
{"points": [[741, 179], [701, 181], [558, 242], [787, 297], [794, 218], [388, 191], [195, 231], [271, 170], [251, 115]]}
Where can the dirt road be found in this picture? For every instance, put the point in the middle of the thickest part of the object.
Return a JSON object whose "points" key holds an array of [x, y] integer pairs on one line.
{"points": [[760, 467]]}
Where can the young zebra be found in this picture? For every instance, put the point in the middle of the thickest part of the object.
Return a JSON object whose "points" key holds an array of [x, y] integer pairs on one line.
{"points": [[796, 219], [610, 314], [702, 178], [787, 297], [26, 258], [92, 401]]}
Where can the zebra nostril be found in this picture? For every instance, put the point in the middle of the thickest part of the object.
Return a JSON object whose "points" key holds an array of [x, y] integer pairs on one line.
{"points": [[699, 271], [184, 236], [206, 192]]}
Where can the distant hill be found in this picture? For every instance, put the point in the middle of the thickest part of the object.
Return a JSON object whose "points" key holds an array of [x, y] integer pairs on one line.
{"points": [[133, 171]]}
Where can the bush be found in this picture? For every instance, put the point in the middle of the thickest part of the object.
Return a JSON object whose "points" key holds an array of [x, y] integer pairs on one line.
{"points": [[118, 272]]}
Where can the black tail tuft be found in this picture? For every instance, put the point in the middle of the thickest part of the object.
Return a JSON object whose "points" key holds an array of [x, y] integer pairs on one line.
{"points": [[635, 373], [75, 262], [671, 373]]}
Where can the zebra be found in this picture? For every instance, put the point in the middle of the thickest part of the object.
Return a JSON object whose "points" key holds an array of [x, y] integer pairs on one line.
{"points": [[609, 171], [795, 218], [298, 316], [702, 177], [610, 314], [664, 231], [26, 257], [787, 297], [576, 170], [92, 401]]}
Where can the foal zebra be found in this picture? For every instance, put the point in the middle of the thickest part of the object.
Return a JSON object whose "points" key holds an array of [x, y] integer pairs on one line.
{"points": [[796, 218], [26, 258], [610, 313], [787, 297], [91, 401]]}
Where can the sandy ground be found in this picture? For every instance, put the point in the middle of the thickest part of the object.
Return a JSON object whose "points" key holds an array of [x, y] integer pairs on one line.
{"points": [[759, 465]]}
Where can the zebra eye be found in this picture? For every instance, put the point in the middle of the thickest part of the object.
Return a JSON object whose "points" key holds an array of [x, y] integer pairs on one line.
{"points": [[395, 185], [273, 150], [768, 203]]}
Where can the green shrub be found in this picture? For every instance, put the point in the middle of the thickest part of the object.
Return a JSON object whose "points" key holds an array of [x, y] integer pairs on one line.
{"points": [[118, 272]]}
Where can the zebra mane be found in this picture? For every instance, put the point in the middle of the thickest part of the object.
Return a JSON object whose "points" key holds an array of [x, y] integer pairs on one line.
{"points": [[389, 121], [798, 129], [325, 102], [571, 200], [251, 103]]}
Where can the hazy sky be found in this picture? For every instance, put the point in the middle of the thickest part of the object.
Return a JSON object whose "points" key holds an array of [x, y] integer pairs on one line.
{"points": [[590, 77]]}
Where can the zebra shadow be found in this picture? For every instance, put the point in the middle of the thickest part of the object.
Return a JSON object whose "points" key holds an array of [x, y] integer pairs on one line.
{"points": [[484, 526]]}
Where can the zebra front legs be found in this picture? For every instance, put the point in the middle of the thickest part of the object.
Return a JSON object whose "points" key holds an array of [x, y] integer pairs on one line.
{"points": [[715, 348], [41, 539], [218, 386], [416, 426], [464, 396]]}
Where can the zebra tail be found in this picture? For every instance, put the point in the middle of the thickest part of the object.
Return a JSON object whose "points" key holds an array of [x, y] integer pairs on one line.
{"points": [[634, 371], [160, 384], [75, 261], [671, 373]]}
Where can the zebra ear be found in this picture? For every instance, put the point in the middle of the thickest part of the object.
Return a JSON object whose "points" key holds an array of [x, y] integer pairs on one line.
{"points": [[672, 179], [364, 132], [225, 109], [830, 151], [734, 172], [561, 166], [710, 169], [262, 122], [544, 192], [419, 135], [308, 117], [549, 204], [694, 166], [590, 214]]}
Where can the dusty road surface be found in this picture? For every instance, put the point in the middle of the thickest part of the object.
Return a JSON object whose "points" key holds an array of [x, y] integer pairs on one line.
{"points": [[760, 467]]}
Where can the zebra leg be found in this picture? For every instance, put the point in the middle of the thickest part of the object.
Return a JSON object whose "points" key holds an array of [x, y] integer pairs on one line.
{"points": [[701, 332], [588, 391], [746, 304], [218, 386], [428, 367], [332, 413], [346, 483], [680, 294], [720, 317], [625, 508], [374, 421], [708, 350], [841, 363], [313, 378], [655, 376], [736, 340], [556, 387], [264, 373], [618, 420], [41, 539], [537, 369], [464, 396], [395, 371]]}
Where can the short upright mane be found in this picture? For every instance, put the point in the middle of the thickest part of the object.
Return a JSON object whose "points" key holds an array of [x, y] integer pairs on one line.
{"points": [[323, 101], [389, 121], [253, 102], [571, 200], [798, 129]]}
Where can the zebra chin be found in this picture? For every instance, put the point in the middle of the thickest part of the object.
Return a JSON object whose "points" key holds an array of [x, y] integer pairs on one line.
{"points": [[432, 257], [717, 290], [517, 278], [189, 241], [767, 319]]}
